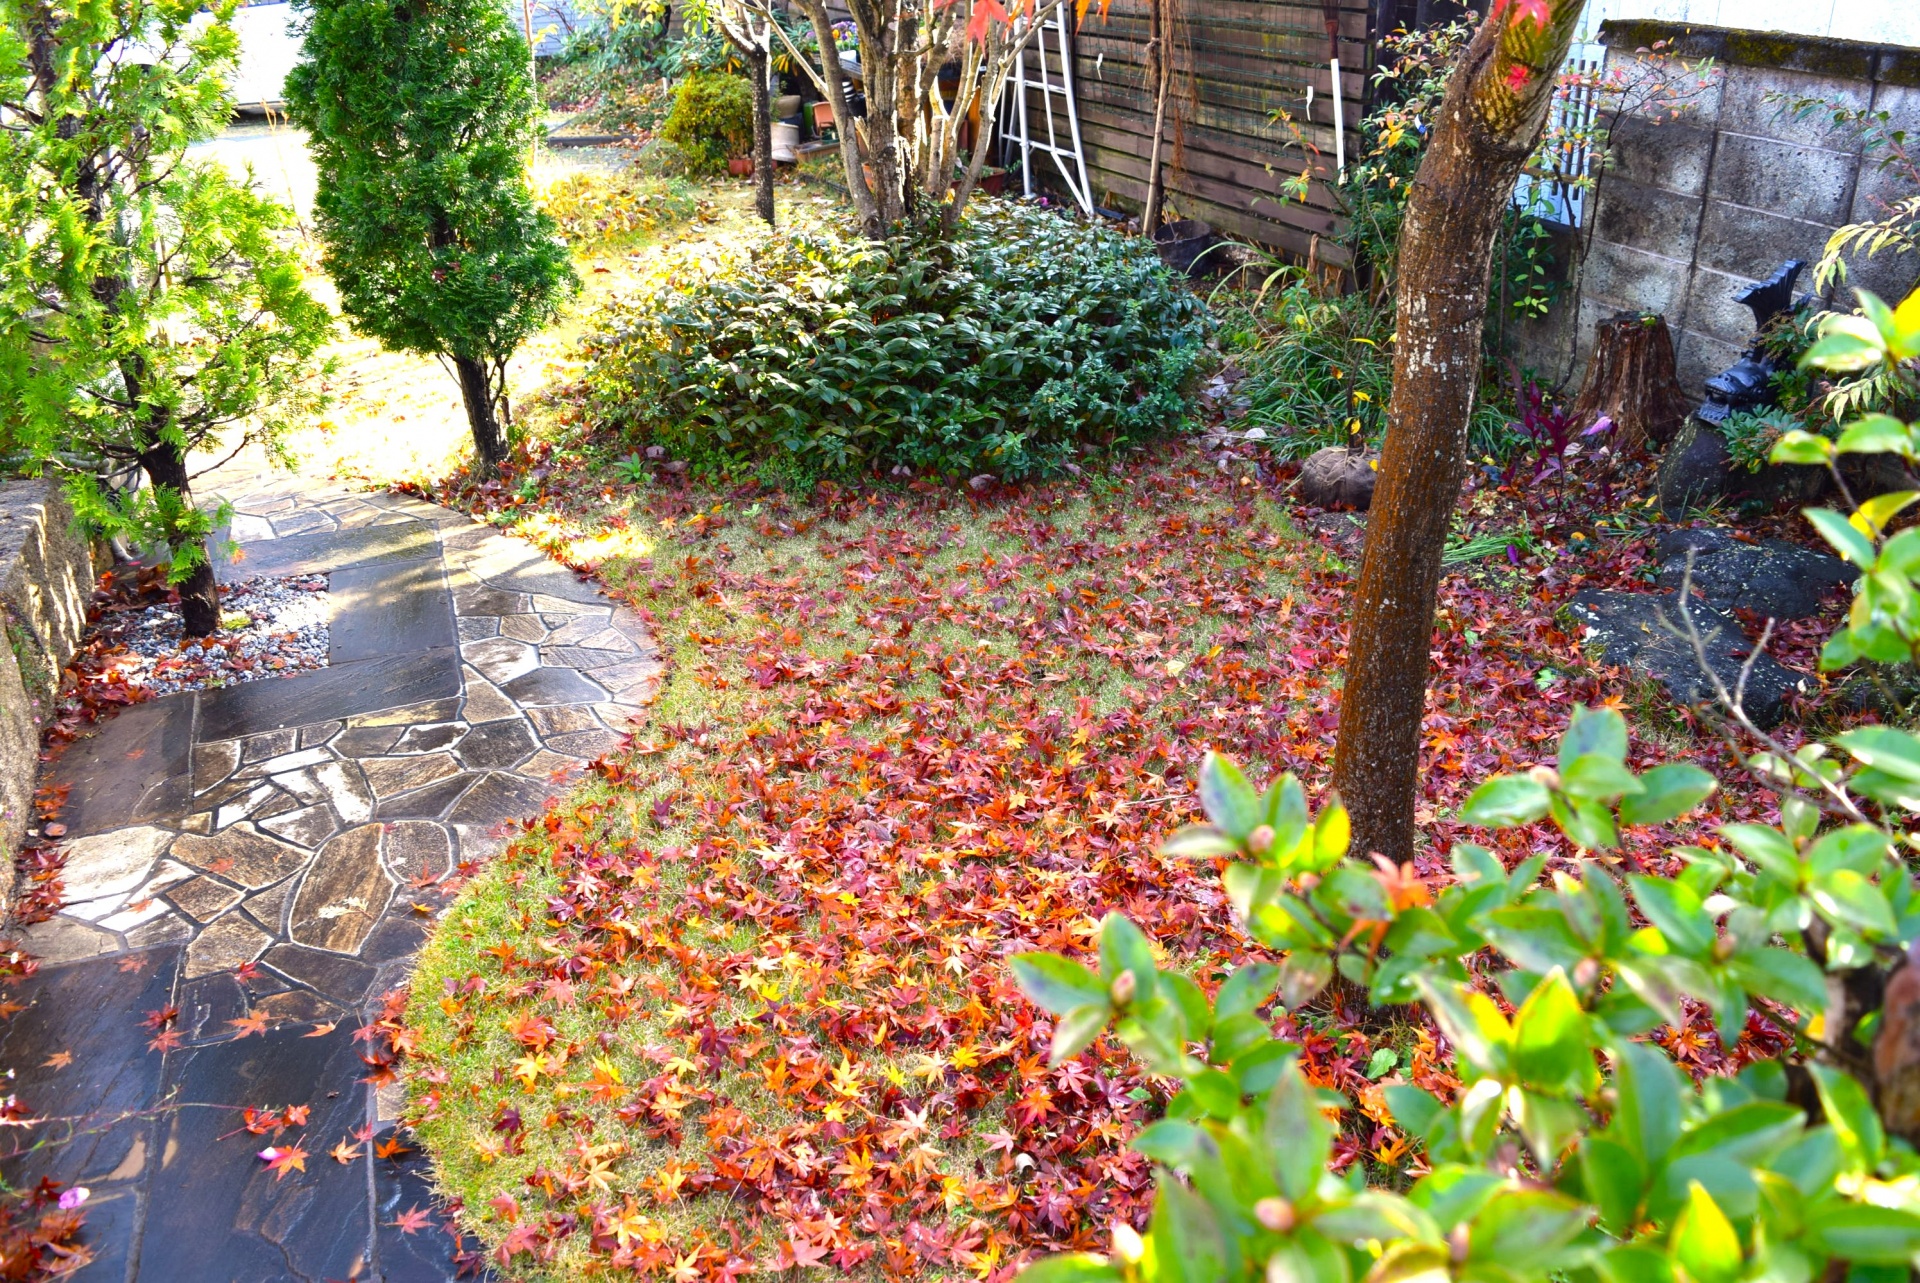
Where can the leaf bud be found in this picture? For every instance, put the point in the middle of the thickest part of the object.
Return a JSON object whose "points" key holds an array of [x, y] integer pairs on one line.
{"points": [[1127, 1244], [1260, 841], [1585, 972], [1124, 987], [1545, 776], [1458, 1244], [1724, 948], [1276, 1214]]}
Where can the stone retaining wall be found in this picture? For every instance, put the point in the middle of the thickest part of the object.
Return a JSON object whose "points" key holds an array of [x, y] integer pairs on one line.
{"points": [[47, 574], [1691, 210]]}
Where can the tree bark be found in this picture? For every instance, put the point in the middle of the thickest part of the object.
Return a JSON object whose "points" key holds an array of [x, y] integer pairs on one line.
{"points": [[1160, 71], [199, 594], [1494, 110], [759, 66], [1631, 380], [489, 439]]}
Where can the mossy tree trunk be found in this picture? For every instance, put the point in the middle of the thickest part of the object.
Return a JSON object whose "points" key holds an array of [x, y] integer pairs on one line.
{"points": [[1489, 122]]}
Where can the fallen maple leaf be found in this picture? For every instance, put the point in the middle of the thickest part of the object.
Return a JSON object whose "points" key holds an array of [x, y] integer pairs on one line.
{"points": [[58, 1060], [344, 1152], [412, 1221], [166, 1040], [281, 1161], [321, 1031], [248, 1025], [390, 1148]]}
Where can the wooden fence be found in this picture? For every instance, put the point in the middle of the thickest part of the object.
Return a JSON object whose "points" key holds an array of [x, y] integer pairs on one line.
{"points": [[1237, 64]]}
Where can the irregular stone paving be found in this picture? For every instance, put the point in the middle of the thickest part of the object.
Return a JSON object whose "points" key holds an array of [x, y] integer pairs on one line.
{"points": [[294, 824]]}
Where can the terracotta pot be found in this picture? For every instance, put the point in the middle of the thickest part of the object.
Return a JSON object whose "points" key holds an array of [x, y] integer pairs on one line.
{"points": [[741, 166], [993, 184], [822, 115]]}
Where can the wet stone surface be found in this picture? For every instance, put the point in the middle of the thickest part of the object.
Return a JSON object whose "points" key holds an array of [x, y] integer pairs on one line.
{"points": [[265, 854]]}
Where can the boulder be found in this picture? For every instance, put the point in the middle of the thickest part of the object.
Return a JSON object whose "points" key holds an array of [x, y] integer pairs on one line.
{"points": [[1644, 631], [1772, 578], [1695, 469]]}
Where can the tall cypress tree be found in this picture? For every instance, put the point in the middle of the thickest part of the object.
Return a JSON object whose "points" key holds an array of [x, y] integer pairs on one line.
{"points": [[419, 114]]}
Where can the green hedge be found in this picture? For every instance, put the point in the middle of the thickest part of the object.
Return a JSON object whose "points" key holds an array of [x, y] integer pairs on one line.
{"points": [[711, 120], [1016, 344]]}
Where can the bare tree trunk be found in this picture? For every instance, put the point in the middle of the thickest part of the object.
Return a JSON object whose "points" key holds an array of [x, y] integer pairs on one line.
{"points": [[759, 66], [199, 594], [1160, 70], [1492, 116], [489, 438], [835, 85]]}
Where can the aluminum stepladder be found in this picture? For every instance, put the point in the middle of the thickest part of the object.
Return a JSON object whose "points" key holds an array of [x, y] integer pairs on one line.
{"points": [[1049, 42]]}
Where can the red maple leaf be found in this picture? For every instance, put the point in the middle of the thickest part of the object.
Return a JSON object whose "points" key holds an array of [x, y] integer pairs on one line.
{"points": [[412, 1221], [281, 1161]]}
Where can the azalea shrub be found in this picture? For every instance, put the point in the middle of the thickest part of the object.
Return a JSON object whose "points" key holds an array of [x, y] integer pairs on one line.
{"points": [[1010, 348], [1573, 1146]]}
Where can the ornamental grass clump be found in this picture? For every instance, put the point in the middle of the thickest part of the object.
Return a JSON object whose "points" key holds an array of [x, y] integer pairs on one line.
{"points": [[1010, 348]]}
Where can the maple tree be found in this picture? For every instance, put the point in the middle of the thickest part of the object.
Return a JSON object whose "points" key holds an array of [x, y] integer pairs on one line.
{"points": [[1488, 124]]}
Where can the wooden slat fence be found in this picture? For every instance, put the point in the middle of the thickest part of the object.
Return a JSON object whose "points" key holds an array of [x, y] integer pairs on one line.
{"points": [[1237, 62]]}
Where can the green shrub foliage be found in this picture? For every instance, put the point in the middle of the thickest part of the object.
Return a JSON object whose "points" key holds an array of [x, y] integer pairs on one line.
{"points": [[1008, 349], [1574, 1149], [711, 120]]}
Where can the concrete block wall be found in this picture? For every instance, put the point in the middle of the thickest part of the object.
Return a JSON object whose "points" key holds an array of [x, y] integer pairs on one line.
{"points": [[1691, 210], [47, 573]]}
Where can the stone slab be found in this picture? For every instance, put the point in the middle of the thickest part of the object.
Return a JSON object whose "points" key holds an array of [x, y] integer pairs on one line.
{"points": [[325, 550], [343, 690], [389, 608]]}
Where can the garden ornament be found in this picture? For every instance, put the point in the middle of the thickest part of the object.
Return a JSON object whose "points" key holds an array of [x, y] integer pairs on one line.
{"points": [[1748, 383]]}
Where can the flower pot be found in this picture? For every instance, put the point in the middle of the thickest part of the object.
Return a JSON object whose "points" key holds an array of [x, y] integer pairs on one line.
{"points": [[740, 166], [1182, 243], [822, 116], [786, 105], [785, 138], [993, 182]]}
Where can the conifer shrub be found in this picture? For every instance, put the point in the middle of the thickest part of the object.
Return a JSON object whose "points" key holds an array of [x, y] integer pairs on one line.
{"points": [[711, 120]]}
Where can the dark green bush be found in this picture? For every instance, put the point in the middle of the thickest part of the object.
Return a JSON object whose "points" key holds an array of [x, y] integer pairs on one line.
{"points": [[711, 120], [1009, 348]]}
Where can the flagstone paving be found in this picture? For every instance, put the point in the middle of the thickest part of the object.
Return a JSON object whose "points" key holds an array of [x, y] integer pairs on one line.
{"points": [[295, 824]]}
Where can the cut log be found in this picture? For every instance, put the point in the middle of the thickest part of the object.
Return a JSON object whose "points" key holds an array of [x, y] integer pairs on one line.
{"points": [[1631, 380]]}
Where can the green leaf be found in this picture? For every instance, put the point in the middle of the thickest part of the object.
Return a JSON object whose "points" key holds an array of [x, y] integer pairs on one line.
{"points": [[1646, 1116], [1198, 842], [1188, 1246], [1615, 1179], [1866, 1235], [1550, 1043], [1704, 1243], [1296, 1134], [1768, 848], [1782, 975], [1506, 800], [1244, 990], [1666, 793], [1851, 1115], [1597, 777], [1586, 823], [1075, 1031], [1676, 912], [1846, 540], [1228, 798], [1600, 732], [1480, 1035], [1124, 948], [1847, 899], [1884, 748], [1073, 1267], [1057, 984], [1802, 447], [1876, 434]]}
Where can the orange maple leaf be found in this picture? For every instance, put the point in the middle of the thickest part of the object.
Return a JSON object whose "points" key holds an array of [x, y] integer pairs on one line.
{"points": [[281, 1161]]}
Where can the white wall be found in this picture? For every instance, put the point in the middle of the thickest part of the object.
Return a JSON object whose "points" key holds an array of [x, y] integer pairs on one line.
{"points": [[1892, 22]]}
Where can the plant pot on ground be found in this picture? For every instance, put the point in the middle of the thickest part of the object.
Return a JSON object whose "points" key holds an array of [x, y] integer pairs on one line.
{"points": [[740, 166], [1340, 477]]}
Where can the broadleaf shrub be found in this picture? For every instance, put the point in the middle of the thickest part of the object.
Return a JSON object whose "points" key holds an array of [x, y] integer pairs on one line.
{"points": [[1010, 348]]}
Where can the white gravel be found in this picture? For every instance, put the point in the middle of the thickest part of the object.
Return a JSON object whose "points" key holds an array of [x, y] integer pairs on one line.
{"points": [[269, 628]]}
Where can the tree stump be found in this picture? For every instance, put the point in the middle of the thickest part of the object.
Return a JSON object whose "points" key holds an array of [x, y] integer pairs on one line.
{"points": [[1631, 380]]}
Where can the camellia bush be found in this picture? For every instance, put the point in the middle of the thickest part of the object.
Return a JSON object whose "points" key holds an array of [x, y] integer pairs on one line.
{"points": [[1009, 348], [1573, 1148]]}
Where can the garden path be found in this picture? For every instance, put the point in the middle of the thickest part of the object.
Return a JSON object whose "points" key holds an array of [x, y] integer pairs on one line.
{"points": [[260, 857]]}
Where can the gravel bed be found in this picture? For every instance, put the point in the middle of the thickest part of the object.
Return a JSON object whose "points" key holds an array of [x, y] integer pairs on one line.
{"points": [[269, 628]]}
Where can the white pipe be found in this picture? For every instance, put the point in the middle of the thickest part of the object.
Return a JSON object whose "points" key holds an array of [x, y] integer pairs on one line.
{"points": [[1339, 125]]}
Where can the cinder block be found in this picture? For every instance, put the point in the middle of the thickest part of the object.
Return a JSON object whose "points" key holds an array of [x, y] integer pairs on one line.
{"points": [[1751, 243], [1672, 155], [1622, 278], [1745, 109], [1648, 218], [1698, 357], [1809, 183], [1711, 310]]}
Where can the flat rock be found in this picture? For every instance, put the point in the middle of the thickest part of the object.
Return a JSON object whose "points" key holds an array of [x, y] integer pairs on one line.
{"points": [[1772, 578], [111, 864], [391, 775], [343, 894], [1638, 630], [239, 854], [224, 944], [417, 849]]}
